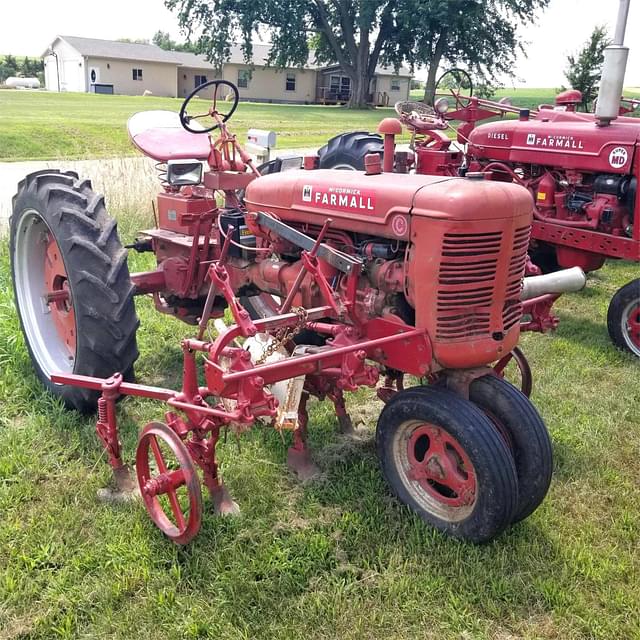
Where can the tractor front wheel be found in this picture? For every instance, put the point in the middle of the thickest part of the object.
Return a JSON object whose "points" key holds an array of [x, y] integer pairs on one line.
{"points": [[444, 458], [71, 281], [525, 434], [623, 318]]}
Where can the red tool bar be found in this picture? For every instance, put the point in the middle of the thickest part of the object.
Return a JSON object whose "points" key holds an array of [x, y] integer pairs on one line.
{"points": [[125, 388]]}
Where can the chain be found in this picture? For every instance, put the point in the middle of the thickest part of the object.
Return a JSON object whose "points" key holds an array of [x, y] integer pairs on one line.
{"points": [[284, 334]]}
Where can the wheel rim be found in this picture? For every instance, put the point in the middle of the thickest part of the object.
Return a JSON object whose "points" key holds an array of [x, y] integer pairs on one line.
{"points": [[435, 469], [174, 491], [43, 295], [631, 326]]}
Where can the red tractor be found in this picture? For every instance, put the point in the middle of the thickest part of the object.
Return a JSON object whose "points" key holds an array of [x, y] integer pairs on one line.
{"points": [[581, 169], [334, 280]]}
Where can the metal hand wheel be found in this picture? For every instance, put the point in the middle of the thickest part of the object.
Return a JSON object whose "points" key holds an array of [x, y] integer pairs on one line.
{"points": [[169, 484], [515, 368]]}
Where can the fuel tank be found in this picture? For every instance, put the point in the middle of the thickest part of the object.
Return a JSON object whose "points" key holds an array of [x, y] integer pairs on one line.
{"points": [[559, 139], [466, 239]]}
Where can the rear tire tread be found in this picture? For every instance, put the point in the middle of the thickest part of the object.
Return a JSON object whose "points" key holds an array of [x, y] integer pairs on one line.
{"points": [[98, 274]]}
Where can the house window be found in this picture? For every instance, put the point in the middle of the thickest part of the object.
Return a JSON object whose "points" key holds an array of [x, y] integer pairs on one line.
{"points": [[290, 84], [395, 84], [200, 80], [137, 74], [244, 75], [340, 86]]}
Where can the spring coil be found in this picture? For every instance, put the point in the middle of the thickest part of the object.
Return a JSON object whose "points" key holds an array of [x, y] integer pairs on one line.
{"points": [[102, 411], [161, 170]]}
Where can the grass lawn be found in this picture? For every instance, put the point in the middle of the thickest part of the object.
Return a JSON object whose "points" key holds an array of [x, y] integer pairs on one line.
{"points": [[37, 125], [338, 558]]}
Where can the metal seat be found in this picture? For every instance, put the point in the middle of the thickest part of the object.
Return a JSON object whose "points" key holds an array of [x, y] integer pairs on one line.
{"points": [[159, 135]]}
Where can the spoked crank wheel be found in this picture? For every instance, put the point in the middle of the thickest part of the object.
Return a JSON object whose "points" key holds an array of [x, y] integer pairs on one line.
{"points": [[514, 368], [623, 318], [169, 483], [444, 458]]}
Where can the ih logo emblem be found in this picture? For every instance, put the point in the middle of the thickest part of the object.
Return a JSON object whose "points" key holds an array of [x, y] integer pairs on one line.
{"points": [[618, 157], [531, 138], [307, 192]]}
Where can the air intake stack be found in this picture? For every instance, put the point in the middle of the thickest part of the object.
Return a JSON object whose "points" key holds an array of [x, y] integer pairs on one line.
{"points": [[613, 72]]}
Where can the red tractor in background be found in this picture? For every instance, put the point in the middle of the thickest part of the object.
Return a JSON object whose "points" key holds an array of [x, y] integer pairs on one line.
{"points": [[334, 280], [583, 177], [582, 169]]}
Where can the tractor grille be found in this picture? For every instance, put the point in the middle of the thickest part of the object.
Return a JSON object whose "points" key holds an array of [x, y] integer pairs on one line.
{"points": [[466, 284], [512, 311]]}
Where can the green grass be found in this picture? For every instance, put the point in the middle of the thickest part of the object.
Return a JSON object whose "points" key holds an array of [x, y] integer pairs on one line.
{"points": [[37, 125], [337, 558]]}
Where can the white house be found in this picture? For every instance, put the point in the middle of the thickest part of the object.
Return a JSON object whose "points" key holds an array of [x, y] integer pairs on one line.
{"points": [[107, 66]]}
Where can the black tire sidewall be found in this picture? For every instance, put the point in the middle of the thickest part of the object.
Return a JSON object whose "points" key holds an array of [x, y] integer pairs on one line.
{"points": [[528, 435]]}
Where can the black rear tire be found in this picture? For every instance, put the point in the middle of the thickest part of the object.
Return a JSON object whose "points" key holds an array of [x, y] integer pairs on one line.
{"points": [[60, 211], [526, 435], [623, 318], [490, 507], [347, 150]]}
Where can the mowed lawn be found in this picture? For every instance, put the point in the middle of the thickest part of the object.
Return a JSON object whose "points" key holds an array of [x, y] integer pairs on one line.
{"points": [[336, 558], [38, 125]]}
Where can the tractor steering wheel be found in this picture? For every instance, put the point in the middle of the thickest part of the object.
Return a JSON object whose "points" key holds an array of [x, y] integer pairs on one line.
{"points": [[453, 83], [186, 118]]}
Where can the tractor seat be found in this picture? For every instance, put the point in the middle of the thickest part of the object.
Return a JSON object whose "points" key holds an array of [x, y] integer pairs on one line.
{"points": [[159, 135]]}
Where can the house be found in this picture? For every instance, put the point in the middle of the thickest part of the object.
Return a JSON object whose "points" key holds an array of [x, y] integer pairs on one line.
{"points": [[105, 66]]}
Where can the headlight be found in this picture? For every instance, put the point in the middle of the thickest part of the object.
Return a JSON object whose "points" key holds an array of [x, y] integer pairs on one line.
{"points": [[181, 172], [441, 105]]}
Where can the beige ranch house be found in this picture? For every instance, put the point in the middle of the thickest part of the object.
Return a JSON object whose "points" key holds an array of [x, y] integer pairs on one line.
{"points": [[106, 66]]}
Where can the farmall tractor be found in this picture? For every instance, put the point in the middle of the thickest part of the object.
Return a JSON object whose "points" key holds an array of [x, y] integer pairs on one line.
{"points": [[582, 169], [334, 280]]}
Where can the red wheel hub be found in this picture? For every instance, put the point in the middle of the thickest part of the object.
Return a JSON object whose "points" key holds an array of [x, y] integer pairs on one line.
{"points": [[441, 466], [58, 295], [633, 325]]}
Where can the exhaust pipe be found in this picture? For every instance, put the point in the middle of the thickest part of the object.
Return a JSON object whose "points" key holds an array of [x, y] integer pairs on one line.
{"points": [[613, 71], [564, 281]]}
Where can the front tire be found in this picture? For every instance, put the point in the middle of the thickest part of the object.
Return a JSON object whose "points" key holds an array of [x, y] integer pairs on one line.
{"points": [[623, 318], [71, 281], [526, 435], [444, 458]]}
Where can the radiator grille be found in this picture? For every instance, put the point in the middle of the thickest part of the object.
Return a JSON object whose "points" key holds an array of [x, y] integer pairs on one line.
{"points": [[512, 311], [466, 284]]}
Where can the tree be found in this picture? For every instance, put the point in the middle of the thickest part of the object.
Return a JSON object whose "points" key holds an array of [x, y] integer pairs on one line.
{"points": [[359, 34], [134, 40], [584, 68], [479, 35], [163, 40], [349, 33], [8, 67]]}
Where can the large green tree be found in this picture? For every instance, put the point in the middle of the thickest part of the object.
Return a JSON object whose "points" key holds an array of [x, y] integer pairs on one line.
{"points": [[482, 36], [360, 34], [584, 68]]}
